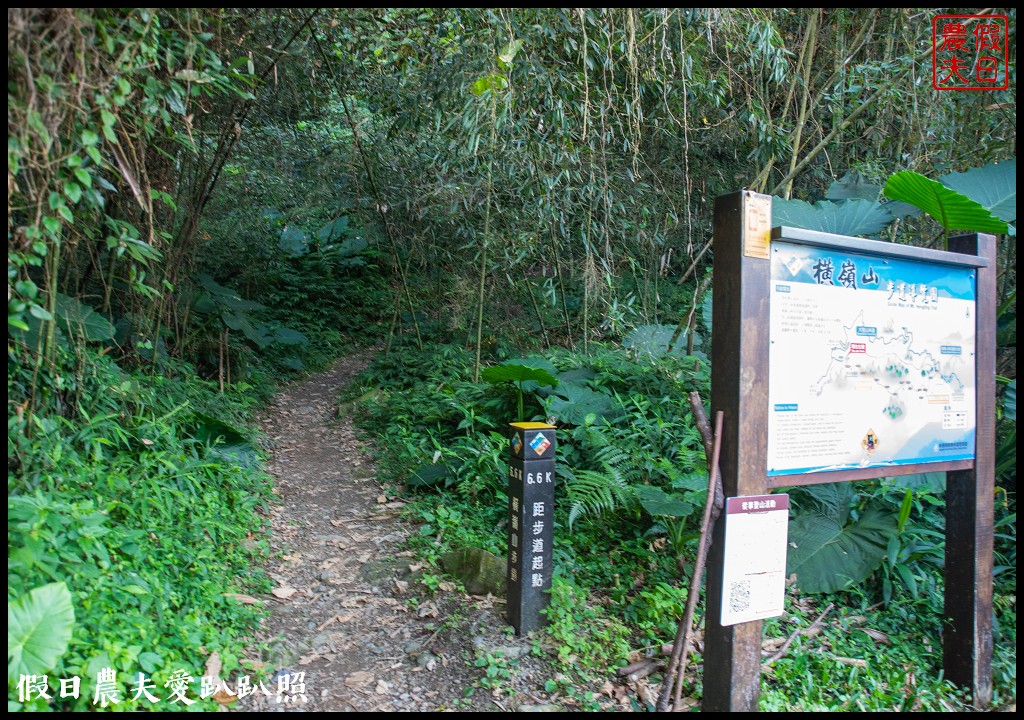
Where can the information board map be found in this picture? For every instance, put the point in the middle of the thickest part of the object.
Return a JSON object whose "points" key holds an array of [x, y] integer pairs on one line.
{"points": [[871, 361]]}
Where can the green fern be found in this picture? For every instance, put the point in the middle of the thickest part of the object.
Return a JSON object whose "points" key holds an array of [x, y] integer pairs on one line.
{"points": [[594, 493]]}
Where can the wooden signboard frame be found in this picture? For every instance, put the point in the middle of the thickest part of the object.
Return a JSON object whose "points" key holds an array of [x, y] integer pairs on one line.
{"points": [[739, 387]]}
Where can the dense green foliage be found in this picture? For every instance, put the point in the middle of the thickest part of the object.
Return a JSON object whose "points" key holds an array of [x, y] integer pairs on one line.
{"points": [[202, 202], [146, 508], [631, 473]]}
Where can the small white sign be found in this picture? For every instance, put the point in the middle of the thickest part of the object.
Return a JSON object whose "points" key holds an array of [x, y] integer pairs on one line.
{"points": [[754, 574]]}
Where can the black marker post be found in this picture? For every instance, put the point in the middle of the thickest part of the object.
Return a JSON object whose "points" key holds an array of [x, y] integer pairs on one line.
{"points": [[531, 515]]}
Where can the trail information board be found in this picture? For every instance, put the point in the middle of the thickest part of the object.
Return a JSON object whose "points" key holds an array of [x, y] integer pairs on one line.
{"points": [[871, 361]]}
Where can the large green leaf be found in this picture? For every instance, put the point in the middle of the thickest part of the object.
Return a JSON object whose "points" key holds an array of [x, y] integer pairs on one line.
{"points": [[293, 241], [853, 186], [347, 251], [994, 187], [901, 210], [827, 555], [225, 296], [333, 231], [650, 342], [517, 373], [933, 482], [257, 333], [577, 376], [226, 443], [852, 217], [39, 628], [657, 502], [287, 336], [949, 208], [574, 404], [293, 363], [707, 312], [81, 321], [429, 476]]}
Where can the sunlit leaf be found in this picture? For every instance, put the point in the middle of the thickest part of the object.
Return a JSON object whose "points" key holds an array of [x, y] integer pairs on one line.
{"points": [[994, 187], [947, 207], [39, 628]]}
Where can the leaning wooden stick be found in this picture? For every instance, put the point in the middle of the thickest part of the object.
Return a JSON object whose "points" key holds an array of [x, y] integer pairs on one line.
{"points": [[700, 419], [789, 640], [675, 672]]}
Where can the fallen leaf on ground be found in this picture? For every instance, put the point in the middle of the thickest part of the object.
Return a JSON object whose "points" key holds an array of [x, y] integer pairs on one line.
{"points": [[244, 599], [359, 679], [284, 592], [382, 687], [401, 586], [213, 666], [381, 499], [856, 662], [877, 635]]}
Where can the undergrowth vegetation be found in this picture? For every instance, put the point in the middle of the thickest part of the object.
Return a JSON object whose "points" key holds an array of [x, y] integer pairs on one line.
{"points": [[132, 493], [631, 482]]}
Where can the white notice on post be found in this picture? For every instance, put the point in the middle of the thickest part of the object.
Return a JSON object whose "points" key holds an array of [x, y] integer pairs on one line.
{"points": [[754, 573]]}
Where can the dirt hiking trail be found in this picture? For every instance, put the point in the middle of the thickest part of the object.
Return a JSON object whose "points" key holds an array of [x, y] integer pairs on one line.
{"points": [[348, 610]]}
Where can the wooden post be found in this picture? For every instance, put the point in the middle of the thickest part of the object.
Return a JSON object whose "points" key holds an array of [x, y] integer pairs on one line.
{"points": [[531, 515], [739, 388], [967, 637]]}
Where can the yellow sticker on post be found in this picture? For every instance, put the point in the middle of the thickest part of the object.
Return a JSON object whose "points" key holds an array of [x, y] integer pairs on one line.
{"points": [[757, 224]]}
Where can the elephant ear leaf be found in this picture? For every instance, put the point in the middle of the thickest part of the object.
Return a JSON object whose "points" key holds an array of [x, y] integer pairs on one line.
{"points": [[827, 555], [517, 373], [39, 628], [78, 320], [994, 187], [851, 217], [949, 208], [651, 342], [657, 502], [293, 241], [853, 186]]}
